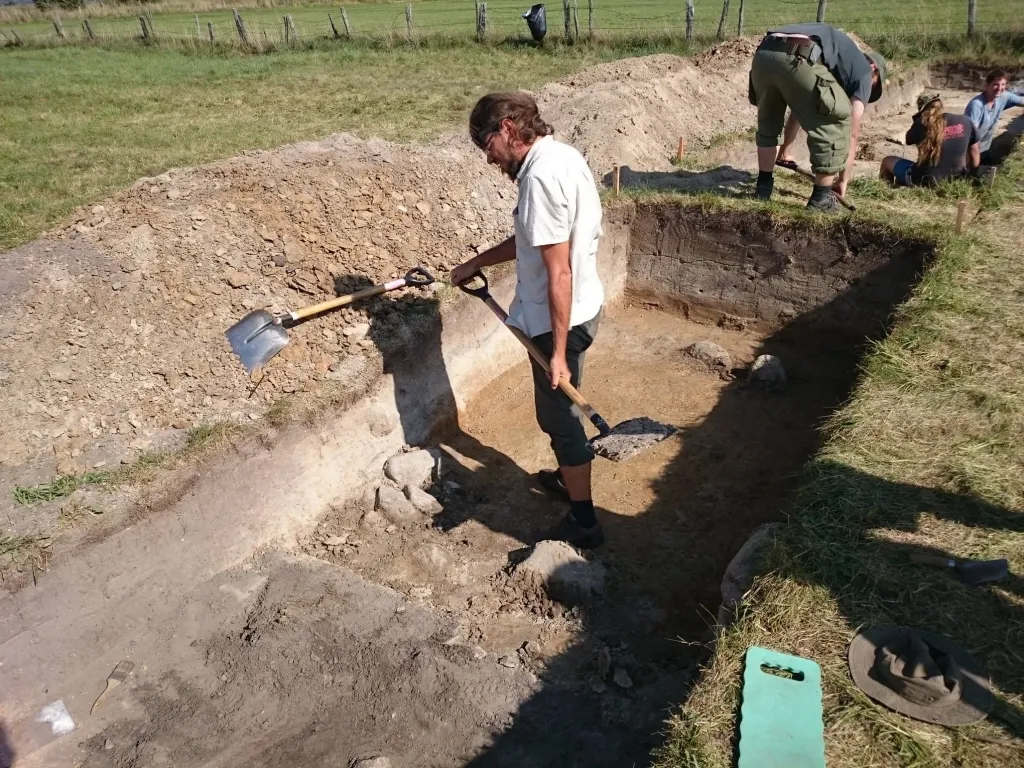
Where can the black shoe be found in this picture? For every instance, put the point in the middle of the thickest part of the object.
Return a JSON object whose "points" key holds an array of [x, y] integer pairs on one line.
{"points": [[552, 481], [828, 204], [570, 531], [763, 191]]}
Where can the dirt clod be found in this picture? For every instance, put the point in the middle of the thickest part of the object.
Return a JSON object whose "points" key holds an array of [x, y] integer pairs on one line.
{"points": [[418, 468], [566, 575], [710, 354]]}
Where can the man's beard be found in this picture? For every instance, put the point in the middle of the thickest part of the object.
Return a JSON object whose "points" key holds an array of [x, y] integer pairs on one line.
{"points": [[512, 171]]}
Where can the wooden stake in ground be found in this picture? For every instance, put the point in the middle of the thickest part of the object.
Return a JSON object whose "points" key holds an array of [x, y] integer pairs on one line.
{"points": [[739, 24], [240, 26], [408, 21], [209, 28], [145, 29], [682, 148], [334, 29], [199, 30], [721, 22], [961, 209], [344, 20], [822, 4], [88, 29], [689, 22], [57, 25], [617, 177]]}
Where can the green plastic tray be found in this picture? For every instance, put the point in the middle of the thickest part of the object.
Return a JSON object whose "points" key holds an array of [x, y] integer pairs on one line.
{"points": [[780, 716]]}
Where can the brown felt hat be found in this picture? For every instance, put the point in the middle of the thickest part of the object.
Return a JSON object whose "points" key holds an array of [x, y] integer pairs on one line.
{"points": [[920, 674]]}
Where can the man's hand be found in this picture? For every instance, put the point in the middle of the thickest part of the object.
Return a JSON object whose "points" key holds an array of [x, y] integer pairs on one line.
{"points": [[559, 370], [463, 271], [839, 187], [843, 179]]}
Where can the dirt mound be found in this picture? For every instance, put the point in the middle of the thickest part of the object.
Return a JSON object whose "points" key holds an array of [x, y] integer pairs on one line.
{"points": [[633, 112]]}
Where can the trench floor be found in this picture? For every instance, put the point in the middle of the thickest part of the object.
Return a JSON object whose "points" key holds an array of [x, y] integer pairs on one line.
{"points": [[674, 516]]}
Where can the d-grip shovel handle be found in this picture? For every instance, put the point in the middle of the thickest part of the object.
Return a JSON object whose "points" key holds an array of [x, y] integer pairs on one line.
{"points": [[542, 360], [417, 276]]}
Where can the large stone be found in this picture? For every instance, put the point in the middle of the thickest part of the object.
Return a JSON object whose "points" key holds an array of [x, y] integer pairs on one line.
{"points": [[418, 468], [709, 353], [740, 571], [767, 371], [423, 501], [567, 576], [381, 421], [393, 505]]}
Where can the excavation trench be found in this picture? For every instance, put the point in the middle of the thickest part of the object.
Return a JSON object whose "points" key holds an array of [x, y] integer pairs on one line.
{"points": [[416, 641]]}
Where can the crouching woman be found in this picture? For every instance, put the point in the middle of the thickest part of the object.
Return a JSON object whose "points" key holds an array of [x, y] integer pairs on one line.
{"points": [[947, 147]]}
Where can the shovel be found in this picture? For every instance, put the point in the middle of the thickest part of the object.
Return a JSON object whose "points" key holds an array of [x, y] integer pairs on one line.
{"points": [[626, 439], [973, 572], [258, 336]]}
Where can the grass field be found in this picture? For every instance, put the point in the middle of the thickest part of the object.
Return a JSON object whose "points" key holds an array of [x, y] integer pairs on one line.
{"points": [[457, 18]]}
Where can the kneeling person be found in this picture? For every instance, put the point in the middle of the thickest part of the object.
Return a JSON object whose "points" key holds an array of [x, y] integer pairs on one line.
{"points": [[947, 147], [559, 296]]}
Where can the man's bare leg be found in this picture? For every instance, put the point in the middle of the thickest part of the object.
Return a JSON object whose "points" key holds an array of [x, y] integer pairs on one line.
{"points": [[577, 481], [789, 135]]}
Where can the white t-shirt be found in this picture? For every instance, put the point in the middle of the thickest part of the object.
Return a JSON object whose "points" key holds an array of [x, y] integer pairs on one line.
{"points": [[558, 201]]}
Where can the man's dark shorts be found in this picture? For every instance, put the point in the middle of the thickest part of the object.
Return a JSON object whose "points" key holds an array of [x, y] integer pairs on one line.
{"points": [[555, 413]]}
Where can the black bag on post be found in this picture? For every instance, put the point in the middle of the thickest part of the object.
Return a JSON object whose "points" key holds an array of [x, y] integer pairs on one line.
{"points": [[537, 21]]}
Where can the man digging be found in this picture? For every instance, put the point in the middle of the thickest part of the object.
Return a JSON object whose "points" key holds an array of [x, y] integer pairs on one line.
{"points": [[825, 80], [985, 109], [559, 296]]}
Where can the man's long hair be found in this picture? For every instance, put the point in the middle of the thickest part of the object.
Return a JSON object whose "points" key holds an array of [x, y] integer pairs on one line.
{"points": [[520, 108], [934, 121]]}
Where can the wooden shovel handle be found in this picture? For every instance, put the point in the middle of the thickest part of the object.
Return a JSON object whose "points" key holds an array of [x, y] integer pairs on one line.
{"points": [[542, 360], [416, 276]]}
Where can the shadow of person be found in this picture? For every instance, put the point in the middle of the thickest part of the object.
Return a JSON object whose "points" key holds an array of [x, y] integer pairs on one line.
{"points": [[1005, 141], [6, 750], [725, 180]]}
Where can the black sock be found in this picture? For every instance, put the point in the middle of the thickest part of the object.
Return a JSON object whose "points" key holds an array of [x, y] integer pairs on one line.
{"points": [[820, 194], [765, 177], [583, 511]]}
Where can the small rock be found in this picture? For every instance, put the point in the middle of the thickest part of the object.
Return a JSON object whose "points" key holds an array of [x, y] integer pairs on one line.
{"points": [[98, 209], [423, 208], [373, 519], [432, 557], [381, 421], [767, 371], [393, 505], [335, 541], [68, 466], [418, 468], [173, 193], [373, 762], [391, 529], [710, 354], [565, 574], [357, 332], [740, 572], [108, 744], [280, 259], [61, 372], [621, 678], [236, 279], [423, 501], [597, 685], [511, 662], [478, 653]]}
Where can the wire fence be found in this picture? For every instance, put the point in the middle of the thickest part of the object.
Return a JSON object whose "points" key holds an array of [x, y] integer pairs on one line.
{"points": [[567, 22]]}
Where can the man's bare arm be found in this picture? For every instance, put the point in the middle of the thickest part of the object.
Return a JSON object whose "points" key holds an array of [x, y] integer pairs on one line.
{"points": [[556, 259], [974, 157], [502, 252], [855, 121]]}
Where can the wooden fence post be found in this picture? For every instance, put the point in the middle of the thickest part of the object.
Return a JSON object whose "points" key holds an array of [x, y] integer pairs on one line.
{"points": [[199, 30], [17, 40], [287, 30], [739, 24], [821, 10], [590, 19], [567, 13], [209, 28], [88, 29], [240, 26], [348, 27], [57, 25], [334, 29], [408, 21], [972, 7], [575, 20], [295, 31], [145, 29], [689, 21], [149, 22], [721, 22], [481, 22]]}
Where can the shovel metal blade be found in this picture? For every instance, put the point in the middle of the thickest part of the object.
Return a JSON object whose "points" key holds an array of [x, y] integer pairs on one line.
{"points": [[976, 572], [256, 338]]}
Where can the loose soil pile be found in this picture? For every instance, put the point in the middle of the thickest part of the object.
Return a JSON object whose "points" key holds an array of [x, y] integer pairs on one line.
{"points": [[114, 326]]}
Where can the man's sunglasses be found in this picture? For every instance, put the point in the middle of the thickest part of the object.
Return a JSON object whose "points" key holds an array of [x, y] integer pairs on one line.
{"points": [[483, 136]]}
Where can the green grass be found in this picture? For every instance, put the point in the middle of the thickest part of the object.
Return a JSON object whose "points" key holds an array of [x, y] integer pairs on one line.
{"points": [[77, 123], [925, 456], [457, 18]]}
